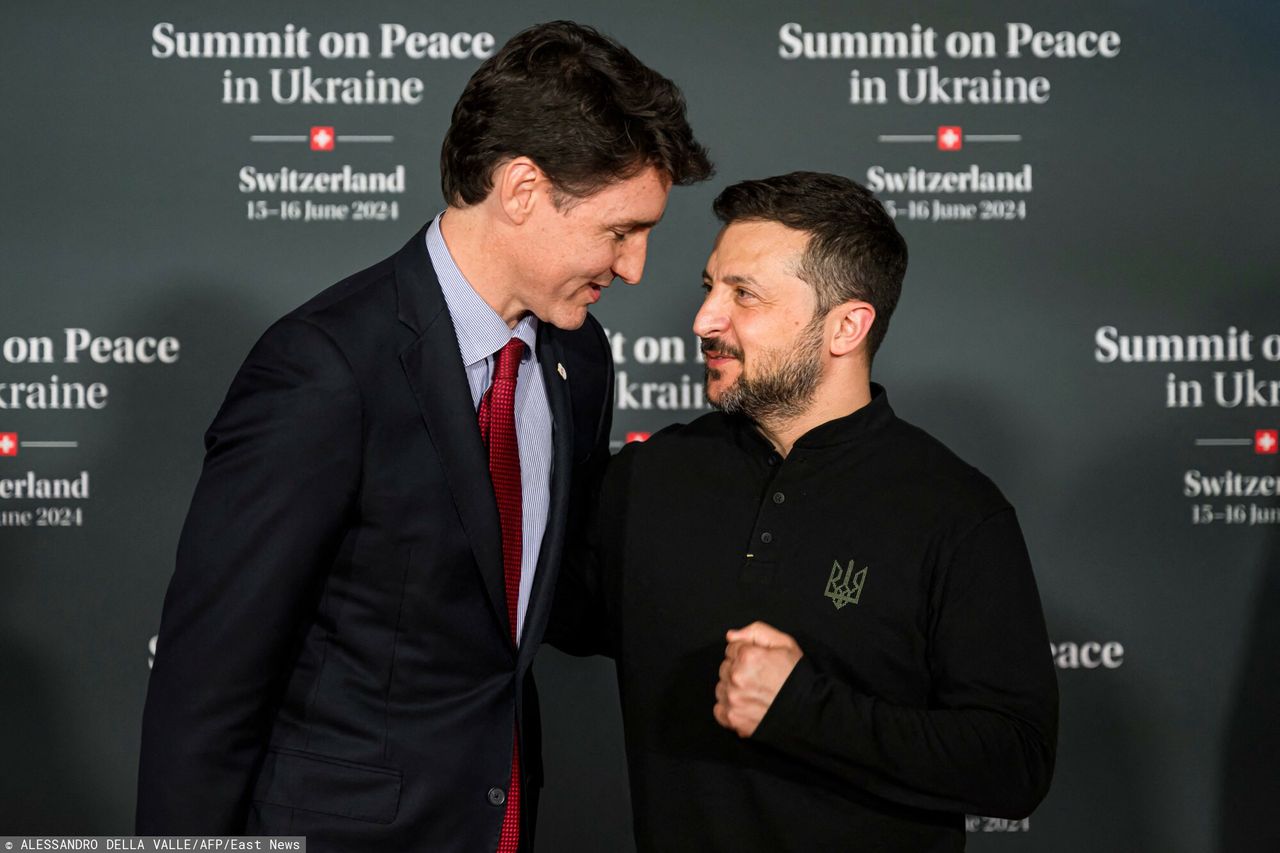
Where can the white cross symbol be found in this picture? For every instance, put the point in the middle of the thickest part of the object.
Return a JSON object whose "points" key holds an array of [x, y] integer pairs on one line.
{"points": [[322, 138], [1266, 441], [949, 138], [6, 445]]}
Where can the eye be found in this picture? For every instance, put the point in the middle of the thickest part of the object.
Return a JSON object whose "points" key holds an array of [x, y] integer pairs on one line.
{"points": [[742, 293], [618, 236]]}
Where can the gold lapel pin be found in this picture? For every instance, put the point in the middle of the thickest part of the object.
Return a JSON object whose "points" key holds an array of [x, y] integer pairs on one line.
{"points": [[560, 369]]}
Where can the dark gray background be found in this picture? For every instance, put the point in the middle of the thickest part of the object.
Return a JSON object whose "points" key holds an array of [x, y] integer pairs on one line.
{"points": [[1154, 189]]}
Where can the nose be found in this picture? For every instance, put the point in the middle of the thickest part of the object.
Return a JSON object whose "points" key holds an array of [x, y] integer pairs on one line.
{"points": [[629, 263], [712, 319]]}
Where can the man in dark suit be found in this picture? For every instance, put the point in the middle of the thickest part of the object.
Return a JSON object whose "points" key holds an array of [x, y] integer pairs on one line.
{"points": [[367, 566]]}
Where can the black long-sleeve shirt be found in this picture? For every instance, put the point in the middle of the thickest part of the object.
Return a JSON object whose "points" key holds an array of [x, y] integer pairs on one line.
{"points": [[926, 689]]}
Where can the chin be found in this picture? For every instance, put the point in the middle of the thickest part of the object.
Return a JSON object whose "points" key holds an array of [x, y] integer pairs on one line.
{"points": [[569, 319], [718, 381]]}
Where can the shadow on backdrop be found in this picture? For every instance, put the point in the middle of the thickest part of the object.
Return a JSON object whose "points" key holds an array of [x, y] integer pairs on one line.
{"points": [[77, 619], [1250, 771]]}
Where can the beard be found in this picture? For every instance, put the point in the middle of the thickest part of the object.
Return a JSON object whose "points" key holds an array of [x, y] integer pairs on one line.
{"points": [[784, 385]]}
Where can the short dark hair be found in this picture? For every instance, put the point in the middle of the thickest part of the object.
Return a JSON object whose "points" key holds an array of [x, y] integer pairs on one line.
{"points": [[854, 250], [578, 104]]}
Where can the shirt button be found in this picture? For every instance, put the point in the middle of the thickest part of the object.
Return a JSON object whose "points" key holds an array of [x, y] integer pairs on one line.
{"points": [[497, 796], [766, 537], [774, 459], [779, 497]]}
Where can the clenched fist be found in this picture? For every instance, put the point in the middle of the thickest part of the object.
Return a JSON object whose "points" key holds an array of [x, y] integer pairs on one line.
{"points": [[757, 661]]}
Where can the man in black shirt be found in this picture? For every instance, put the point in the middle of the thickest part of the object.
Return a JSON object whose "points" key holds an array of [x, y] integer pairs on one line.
{"points": [[827, 630]]}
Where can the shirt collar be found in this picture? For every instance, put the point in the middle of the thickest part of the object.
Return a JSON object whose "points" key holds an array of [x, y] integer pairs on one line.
{"points": [[481, 331], [855, 426]]}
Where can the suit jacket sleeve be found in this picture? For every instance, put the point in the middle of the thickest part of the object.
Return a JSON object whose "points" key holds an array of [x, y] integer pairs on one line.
{"points": [[986, 744], [280, 473]]}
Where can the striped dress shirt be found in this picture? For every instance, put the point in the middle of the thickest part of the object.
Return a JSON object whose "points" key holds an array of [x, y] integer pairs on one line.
{"points": [[481, 333]]}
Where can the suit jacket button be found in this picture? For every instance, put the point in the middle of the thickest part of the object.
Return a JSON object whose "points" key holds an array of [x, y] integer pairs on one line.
{"points": [[497, 796]]}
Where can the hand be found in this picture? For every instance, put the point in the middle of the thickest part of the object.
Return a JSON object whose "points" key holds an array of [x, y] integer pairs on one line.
{"points": [[757, 661]]}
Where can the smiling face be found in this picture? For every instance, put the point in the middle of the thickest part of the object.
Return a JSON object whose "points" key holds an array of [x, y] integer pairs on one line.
{"points": [[571, 252], [762, 339]]}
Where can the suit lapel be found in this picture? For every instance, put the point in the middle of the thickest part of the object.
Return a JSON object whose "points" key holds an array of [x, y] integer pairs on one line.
{"points": [[438, 380], [551, 360]]}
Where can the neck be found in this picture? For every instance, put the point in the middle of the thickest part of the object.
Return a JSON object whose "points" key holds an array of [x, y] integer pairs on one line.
{"points": [[826, 406], [478, 247]]}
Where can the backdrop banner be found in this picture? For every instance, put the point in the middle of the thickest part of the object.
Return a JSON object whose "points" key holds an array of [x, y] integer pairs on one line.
{"points": [[1091, 317]]}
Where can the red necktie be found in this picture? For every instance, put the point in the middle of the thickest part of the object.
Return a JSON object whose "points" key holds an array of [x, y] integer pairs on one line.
{"points": [[498, 432]]}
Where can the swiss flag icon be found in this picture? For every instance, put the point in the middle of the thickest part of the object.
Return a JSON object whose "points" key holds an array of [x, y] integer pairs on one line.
{"points": [[8, 444], [950, 138], [322, 138], [1266, 441], [637, 436]]}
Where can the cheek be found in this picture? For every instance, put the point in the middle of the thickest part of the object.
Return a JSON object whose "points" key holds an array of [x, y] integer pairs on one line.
{"points": [[592, 248], [760, 335], [577, 263], [601, 259]]}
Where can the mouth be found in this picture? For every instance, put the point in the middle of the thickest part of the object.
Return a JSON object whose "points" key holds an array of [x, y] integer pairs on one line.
{"points": [[717, 354], [593, 293], [714, 358]]}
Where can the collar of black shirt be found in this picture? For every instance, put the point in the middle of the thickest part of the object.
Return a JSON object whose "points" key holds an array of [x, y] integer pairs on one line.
{"points": [[856, 426]]}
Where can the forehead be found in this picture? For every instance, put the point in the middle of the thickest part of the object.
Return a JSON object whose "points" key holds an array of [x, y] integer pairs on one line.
{"points": [[759, 250]]}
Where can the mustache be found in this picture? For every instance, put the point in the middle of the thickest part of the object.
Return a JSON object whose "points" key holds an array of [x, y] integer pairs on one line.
{"points": [[718, 345]]}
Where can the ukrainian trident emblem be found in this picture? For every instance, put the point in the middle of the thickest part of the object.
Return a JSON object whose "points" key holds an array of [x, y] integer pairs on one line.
{"points": [[845, 587]]}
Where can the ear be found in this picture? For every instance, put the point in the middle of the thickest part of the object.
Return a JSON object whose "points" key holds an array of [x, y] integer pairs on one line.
{"points": [[517, 183], [853, 323]]}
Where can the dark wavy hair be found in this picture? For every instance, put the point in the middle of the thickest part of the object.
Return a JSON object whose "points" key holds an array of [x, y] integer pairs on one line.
{"points": [[578, 104], [854, 249]]}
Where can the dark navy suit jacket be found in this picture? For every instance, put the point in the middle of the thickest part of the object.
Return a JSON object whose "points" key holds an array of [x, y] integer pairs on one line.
{"points": [[334, 656]]}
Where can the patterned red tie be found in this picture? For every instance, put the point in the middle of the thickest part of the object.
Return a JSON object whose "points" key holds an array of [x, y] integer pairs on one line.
{"points": [[498, 431]]}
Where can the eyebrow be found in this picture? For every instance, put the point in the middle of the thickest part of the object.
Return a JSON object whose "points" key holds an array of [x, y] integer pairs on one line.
{"points": [[637, 224], [732, 279]]}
